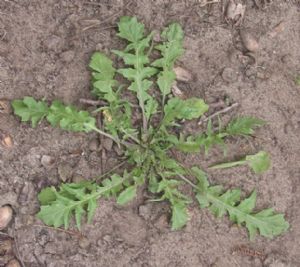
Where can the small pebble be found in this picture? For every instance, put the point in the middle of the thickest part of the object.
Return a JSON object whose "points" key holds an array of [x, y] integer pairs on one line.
{"points": [[47, 161], [83, 243], [107, 238], [6, 214], [249, 41], [182, 74], [6, 141]]}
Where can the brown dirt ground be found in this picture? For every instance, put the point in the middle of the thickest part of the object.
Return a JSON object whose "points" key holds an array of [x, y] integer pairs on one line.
{"points": [[44, 51]]}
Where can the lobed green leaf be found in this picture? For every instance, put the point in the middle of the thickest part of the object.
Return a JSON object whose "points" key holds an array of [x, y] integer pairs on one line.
{"points": [[130, 29], [266, 222], [127, 195], [30, 110], [189, 109], [103, 77], [179, 215], [75, 200], [134, 55], [171, 49], [68, 118]]}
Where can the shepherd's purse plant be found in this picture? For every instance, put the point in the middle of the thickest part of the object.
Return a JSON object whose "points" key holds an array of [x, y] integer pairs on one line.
{"points": [[147, 142]]}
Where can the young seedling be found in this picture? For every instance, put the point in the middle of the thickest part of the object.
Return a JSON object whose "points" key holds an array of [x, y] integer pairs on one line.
{"points": [[147, 143]]}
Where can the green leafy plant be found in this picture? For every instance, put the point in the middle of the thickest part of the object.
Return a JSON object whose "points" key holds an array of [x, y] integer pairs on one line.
{"points": [[147, 143]]}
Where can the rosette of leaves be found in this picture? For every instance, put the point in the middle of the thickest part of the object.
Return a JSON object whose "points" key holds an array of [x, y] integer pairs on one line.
{"points": [[147, 142]]}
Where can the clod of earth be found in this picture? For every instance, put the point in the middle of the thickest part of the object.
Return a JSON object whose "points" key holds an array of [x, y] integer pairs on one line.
{"points": [[147, 141], [182, 74], [235, 12]]}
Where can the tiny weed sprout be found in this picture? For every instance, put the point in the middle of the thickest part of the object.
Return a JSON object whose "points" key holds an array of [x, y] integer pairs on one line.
{"points": [[147, 143]]}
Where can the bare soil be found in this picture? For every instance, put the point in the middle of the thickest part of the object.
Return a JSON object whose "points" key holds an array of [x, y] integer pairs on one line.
{"points": [[45, 47]]}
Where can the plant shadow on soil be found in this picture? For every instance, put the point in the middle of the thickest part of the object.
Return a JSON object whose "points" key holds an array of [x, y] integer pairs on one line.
{"points": [[45, 47]]}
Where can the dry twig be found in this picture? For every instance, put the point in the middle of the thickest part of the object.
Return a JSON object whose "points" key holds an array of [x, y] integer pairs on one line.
{"points": [[92, 102], [222, 111], [73, 233], [247, 251]]}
